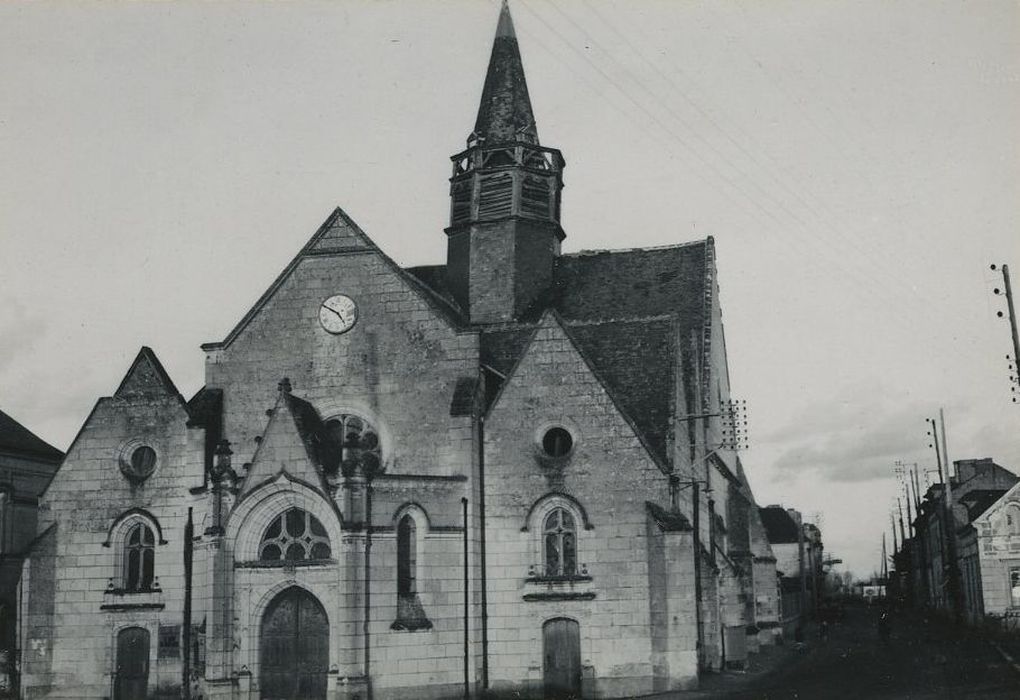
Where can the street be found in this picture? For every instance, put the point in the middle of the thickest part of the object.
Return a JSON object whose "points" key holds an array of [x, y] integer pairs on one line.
{"points": [[920, 660]]}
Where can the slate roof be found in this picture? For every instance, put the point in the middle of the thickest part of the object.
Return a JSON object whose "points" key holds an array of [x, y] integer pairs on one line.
{"points": [[623, 309], [780, 527], [635, 283], [504, 112], [205, 410], [463, 402], [668, 520], [980, 500], [14, 437], [309, 425]]}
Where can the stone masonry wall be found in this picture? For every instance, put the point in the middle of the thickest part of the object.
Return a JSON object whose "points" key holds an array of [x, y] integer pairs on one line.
{"points": [[397, 367], [610, 476], [73, 620]]}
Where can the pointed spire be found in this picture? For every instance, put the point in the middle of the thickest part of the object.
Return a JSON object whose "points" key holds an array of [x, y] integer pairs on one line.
{"points": [[505, 114], [505, 26]]}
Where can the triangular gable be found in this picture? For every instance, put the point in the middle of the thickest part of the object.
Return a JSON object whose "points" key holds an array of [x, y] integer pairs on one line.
{"points": [[286, 446], [147, 378], [551, 321], [1012, 495], [339, 235]]}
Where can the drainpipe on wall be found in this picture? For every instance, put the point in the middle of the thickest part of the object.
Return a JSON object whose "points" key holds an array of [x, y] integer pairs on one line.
{"points": [[696, 498], [467, 563], [481, 548], [368, 588], [189, 557]]}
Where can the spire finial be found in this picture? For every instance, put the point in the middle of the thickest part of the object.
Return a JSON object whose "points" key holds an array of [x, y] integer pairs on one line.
{"points": [[505, 27]]}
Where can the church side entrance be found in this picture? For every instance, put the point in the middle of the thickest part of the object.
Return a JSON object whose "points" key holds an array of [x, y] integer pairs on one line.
{"points": [[295, 648], [561, 646], [132, 679]]}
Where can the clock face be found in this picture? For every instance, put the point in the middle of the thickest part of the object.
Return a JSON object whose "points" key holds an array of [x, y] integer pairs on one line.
{"points": [[338, 314]]}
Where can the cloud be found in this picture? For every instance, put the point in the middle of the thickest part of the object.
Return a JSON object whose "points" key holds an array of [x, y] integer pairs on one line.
{"points": [[855, 453], [857, 437]]}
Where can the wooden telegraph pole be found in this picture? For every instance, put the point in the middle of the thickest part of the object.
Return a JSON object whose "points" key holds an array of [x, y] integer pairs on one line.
{"points": [[1015, 377]]}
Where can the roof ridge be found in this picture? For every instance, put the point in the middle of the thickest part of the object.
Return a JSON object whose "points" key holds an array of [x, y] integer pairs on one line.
{"points": [[637, 249]]}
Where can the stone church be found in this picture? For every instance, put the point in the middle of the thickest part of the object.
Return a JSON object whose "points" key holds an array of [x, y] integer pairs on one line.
{"points": [[512, 474]]}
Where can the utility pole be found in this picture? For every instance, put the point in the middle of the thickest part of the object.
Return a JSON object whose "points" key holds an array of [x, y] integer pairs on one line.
{"points": [[955, 589], [885, 563], [1014, 378], [903, 534]]}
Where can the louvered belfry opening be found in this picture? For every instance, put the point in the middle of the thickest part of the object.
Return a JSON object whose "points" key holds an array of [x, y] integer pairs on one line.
{"points": [[504, 231]]}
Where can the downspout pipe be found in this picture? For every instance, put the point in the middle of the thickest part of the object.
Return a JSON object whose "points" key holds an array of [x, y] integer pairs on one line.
{"points": [[366, 629], [481, 551], [467, 608]]}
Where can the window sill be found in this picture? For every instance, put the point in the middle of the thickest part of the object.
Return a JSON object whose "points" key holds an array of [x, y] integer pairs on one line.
{"points": [[411, 615], [559, 595], [284, 564], [571, 578], [550, 588], [120, 599]]}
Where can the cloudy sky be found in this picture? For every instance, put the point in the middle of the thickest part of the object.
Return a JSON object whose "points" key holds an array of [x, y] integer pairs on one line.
{"points": [[856, 162]]}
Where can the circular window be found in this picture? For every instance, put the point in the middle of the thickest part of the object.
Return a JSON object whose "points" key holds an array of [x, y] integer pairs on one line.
{"points": [[137, 460], [557, 442]]}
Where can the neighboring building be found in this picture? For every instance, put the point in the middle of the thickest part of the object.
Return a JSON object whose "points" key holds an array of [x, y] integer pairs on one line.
{"points": [[768, 607], [27, 464], [872, 591], [424, 482], [797, 547], [996, 547], [976, 486]]}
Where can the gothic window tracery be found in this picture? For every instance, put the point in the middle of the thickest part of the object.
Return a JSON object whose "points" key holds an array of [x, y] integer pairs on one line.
{"points": [[350, 441], [139, 558], [295, 535], [560, 543]]}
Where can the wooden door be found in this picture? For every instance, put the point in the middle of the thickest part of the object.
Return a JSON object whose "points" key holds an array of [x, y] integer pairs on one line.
{"points": [[561, 646], [132, 677], [295, 648]]}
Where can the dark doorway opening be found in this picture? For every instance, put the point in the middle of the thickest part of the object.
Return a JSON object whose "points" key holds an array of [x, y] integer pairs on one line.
{"points": [[295, 647]]}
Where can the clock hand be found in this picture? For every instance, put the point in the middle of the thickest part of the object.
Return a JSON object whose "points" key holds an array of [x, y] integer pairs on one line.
{"points": [[340, 315]]}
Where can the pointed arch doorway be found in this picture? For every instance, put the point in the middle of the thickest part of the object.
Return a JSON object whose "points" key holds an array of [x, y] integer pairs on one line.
{"points": [[294, 646]]}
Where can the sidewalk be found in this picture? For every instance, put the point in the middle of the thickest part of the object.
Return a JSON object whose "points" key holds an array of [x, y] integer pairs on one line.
{"points": [[767, 661]]}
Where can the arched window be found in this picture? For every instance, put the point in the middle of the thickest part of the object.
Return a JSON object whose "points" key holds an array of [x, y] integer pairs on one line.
{"points": [[410, 611], [295, 535], [350, 441], [1012, 519], [139, 558], [560, 540], [407, 556]]}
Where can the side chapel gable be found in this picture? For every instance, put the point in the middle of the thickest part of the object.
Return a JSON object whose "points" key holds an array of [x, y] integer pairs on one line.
{"points": [[552, 347], [94, 451]]}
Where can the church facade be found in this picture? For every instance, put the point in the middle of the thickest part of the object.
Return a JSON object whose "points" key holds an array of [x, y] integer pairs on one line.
{"points": [[514, 473]]}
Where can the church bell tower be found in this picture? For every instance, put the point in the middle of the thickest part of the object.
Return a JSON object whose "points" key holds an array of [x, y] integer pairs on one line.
{"points": [[504, 232]]}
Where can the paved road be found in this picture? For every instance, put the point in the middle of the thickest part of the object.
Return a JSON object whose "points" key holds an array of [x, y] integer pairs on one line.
{"points": [[921, 660]]}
